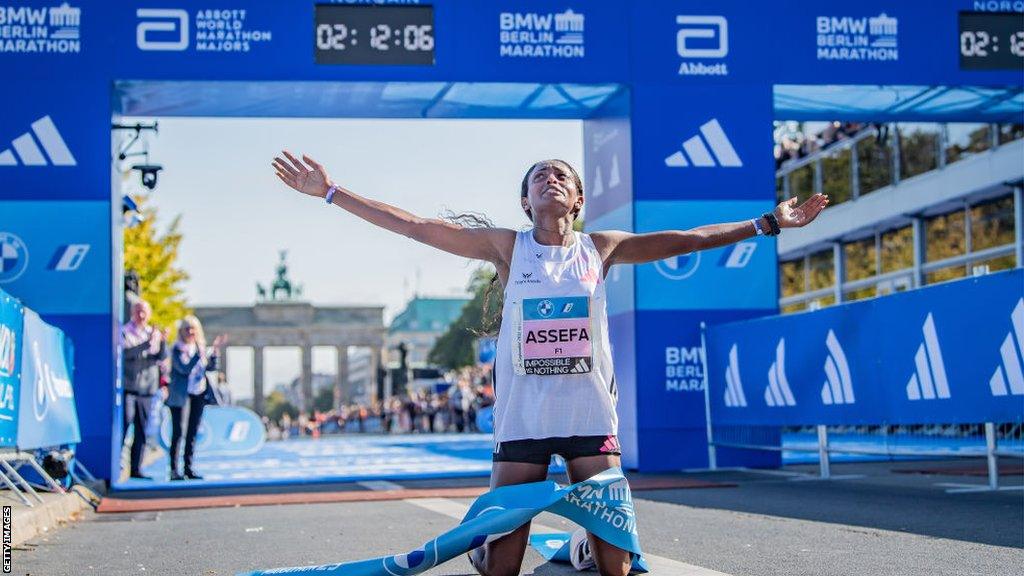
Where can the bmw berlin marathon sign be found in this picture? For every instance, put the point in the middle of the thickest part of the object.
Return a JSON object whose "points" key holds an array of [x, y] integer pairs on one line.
{"points": [[41, 29], [536, 35], [857, 39]]}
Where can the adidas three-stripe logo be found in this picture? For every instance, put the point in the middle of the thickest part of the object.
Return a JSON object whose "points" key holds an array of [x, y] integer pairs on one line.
{"points": [[734, 397], [46, 133], [1010, 371], [838, 387], [698, 153], [929, 379], [778, 393]]}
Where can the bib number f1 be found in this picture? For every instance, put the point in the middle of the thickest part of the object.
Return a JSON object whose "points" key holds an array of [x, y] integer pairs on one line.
{"points": [[555, 336]]}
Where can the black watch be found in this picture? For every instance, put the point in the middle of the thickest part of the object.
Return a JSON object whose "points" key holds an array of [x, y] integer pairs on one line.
{"points": [[773, 222]]}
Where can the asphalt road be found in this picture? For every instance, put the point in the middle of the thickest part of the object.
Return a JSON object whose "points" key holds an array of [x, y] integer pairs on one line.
{"points": [[768, 524]]}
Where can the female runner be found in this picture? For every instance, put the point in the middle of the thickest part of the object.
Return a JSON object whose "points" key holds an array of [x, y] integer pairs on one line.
{"points": [[554, 382]]}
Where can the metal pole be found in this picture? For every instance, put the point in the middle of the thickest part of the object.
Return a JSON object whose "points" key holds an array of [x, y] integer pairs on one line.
{"points": [[990, 454], [919, 251], [712, 456], [1018, 225], [15, 489], [823, 451]]}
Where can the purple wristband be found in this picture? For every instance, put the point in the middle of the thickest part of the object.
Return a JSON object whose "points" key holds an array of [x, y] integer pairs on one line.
{"points": [[330, 194]]}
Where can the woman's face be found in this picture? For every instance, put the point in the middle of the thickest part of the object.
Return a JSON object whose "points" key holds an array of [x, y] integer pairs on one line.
{"points": [[552, 191], [188, 333]]}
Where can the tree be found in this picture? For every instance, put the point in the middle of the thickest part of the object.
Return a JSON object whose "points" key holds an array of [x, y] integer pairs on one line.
{"points": [[454, 348], [324, 400], [153, 256], [277, 406]]}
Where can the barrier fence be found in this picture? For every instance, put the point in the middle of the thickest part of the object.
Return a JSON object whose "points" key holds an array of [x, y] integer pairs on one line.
{"points": [[37, 401], [942, 361]]}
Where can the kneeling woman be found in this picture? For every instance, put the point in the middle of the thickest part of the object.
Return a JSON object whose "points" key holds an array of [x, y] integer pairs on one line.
{"points": [[186, 398], [554, 383]]}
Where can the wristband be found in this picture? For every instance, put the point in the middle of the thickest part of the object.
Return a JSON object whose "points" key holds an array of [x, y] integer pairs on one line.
{"points": [[330, 194], [757, 226], [773, 222]]}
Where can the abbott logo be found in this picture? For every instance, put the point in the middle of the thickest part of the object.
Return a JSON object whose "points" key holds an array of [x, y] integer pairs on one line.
{"points": [[778, 393], [154, 21], [1011, 355], [838, 387], [697, 154], [929, 380], [734, 397], [29, 153], [702, 27]]}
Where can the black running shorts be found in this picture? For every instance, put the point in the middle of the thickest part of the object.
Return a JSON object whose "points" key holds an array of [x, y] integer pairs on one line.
{"points": [[539, 451]]}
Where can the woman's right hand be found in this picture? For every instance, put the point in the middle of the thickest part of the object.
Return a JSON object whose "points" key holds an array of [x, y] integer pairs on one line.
{"points": [[309, 177]]}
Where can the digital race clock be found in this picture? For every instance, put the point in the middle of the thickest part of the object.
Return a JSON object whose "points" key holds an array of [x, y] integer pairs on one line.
{"points": [[347, 34], [991, 41]]}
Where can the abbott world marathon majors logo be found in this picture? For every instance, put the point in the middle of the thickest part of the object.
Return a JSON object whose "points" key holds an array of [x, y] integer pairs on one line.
{"points": [[853, 38], [214, 30], [41, 30], [540, 35]]}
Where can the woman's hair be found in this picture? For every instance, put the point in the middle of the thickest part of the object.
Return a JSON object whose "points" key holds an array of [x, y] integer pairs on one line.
{"points": [[524, 188], [491, 319], [191, 321]]}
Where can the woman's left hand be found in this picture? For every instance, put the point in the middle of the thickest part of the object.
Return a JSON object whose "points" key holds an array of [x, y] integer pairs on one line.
{"points": [[219, 341], [792, 216]]}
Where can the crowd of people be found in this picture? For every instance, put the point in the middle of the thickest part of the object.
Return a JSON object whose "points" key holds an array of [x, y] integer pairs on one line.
{"points": [[422, 410], [796, 145]]}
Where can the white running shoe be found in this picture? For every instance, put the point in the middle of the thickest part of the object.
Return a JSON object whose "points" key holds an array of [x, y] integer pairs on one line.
{"points": [[579, 551]]}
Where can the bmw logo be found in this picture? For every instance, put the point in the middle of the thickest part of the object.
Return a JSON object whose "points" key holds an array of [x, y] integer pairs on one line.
{"points": [[545, 308], [678, 267], [13, 257]]}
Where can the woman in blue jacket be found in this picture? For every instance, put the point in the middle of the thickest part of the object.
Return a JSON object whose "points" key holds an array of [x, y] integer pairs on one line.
{"points": [[190, 361]]}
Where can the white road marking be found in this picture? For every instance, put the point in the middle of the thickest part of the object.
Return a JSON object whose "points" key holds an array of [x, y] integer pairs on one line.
{"points": [[658, 565]]}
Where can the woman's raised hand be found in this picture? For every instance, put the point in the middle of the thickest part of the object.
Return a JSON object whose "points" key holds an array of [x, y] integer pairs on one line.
{"points": [[306, 176], [792, 216]]}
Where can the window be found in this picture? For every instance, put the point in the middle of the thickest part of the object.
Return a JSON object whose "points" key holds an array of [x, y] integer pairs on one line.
{"points": [[945, 236], [897, 249], [801, 182], [859, 294], [835, 176], [821, 270], [992, 223], [874, 163], [791, 276], [919, 148], [945, 274], [860, 259], [964, 140]]}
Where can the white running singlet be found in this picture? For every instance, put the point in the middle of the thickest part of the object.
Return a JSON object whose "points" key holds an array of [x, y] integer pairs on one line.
{"points": [[553, 371]]}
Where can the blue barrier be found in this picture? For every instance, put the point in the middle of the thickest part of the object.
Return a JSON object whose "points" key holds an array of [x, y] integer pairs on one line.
{"points": [[10, 367], [950, 353], [47, 414], [223, 431]]}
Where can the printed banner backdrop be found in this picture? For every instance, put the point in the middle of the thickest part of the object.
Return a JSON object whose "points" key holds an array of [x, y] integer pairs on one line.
{"points": [[47, 415], [11, 322], [910, 358]]}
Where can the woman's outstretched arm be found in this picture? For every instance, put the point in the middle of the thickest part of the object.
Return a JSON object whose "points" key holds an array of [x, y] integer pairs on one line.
{"points": [[627, 248], [309, 177]]}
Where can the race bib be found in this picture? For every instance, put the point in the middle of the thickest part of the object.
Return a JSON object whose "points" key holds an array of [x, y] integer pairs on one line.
{"points": [[555, 336]]}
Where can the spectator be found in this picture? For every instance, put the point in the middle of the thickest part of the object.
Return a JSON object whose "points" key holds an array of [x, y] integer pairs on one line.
{"points": [[143, 348], [190, 361]]}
